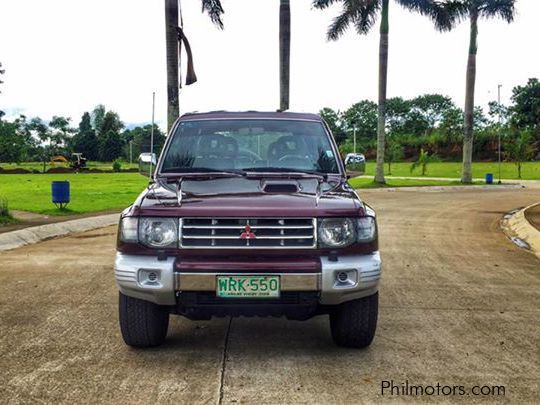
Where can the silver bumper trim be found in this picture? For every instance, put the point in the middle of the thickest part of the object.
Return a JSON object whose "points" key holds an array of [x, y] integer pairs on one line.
{"points": [[364, 272], [127, 269]]}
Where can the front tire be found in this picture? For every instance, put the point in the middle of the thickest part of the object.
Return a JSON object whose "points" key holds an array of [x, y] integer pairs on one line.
{"points": [[353, 323], [143, 323]]}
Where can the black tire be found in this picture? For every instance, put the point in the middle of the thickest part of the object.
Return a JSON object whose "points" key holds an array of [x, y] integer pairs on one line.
{"points": [[353, 323], [143, 323]]}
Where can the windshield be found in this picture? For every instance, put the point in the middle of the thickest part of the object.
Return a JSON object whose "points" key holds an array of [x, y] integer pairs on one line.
{"points": [[239, 144]]}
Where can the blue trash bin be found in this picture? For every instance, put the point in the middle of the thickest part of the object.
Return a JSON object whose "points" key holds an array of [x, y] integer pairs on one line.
{"points": [[60, 193], [489, 178]]}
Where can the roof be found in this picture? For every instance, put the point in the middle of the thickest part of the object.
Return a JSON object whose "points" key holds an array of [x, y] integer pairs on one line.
{"points": [[250, 114]]}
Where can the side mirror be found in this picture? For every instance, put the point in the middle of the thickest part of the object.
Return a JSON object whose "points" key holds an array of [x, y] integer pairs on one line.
{"points": [[355, 164], [147, 164]]}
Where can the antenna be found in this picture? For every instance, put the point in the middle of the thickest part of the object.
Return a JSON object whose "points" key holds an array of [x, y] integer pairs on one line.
{"points": [[152, 133]]}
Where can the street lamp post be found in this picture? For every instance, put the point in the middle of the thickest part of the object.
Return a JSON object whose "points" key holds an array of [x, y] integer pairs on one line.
{"points": [[500, 128]]}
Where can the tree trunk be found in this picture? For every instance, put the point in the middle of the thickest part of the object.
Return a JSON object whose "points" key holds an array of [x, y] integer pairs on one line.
{"points": [[171, 38], [383, 76], [466, 175], [284, 53]]}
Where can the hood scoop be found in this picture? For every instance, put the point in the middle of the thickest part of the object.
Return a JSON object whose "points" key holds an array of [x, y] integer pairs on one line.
{"points": [[280, 186]]}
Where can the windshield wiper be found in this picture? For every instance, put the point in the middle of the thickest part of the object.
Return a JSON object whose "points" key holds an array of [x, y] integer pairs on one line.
{"points": [[285, 170], [180, 171]]}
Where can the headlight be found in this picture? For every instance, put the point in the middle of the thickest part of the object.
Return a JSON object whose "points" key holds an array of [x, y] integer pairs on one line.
{"points": [[342, 232], [158, 232], [128, 229], [336, 232]]}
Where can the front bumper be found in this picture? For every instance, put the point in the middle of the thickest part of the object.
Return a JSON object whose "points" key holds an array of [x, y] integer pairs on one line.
{"points": [[132, 271]]}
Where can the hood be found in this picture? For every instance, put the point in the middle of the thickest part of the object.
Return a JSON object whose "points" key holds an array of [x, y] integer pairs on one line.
{"points": [[247, 197]]}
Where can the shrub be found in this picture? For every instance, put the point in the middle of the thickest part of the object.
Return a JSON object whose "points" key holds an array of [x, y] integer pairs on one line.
{"points": [[117, 166], [392, 153], [519, 149], [4, 211], [424, 159]]}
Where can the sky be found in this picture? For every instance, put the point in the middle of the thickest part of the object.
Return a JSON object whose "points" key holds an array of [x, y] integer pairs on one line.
{"points": [[63, 57]]}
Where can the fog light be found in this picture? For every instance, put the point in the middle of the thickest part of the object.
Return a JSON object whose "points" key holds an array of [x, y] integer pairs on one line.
{"points": [[346, 279], [149, 278]]}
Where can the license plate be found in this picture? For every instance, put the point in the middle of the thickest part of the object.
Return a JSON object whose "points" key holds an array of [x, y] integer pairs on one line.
{"points": [[247, 286]]}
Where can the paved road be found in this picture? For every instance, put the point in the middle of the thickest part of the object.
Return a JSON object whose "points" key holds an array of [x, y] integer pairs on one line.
{"points": [[460, 305]]}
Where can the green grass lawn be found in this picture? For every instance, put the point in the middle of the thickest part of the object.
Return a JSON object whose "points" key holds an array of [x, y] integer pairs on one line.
{"points": [[368, 183], [115, 191], [89, 192], [530, 170], [90, 165]]}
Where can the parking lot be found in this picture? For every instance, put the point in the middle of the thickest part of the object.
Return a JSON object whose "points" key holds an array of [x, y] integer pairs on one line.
{"points": [[460, 305]]}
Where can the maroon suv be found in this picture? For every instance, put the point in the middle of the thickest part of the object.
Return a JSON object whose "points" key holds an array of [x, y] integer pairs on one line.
{"points": [[248, 214]]}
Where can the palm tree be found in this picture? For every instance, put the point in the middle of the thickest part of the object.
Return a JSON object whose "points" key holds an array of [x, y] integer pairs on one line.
{"points": [[174, 36], [284, 53], [362, 14], [171, 22], [424, 159], [446, 15]]}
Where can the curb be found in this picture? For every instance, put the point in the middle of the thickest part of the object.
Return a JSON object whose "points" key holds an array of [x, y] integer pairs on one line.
{"points": [[438, 189], [35, 234], [516, 226]]}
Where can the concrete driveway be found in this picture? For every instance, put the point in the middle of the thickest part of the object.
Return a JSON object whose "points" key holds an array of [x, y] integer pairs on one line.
{"points": [[460, 305]]}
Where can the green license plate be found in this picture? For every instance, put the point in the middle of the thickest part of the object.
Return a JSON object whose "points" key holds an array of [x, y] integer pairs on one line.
{"points": [[247, 286]]}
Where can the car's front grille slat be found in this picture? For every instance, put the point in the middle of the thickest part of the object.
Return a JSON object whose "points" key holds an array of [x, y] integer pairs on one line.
{"points": [[247, 233], [243, 226], [258, 237]]}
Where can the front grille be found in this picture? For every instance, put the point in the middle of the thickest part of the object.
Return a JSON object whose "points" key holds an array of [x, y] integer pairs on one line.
{"points": [[285, 298], [248, 233], [299, 305]]}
